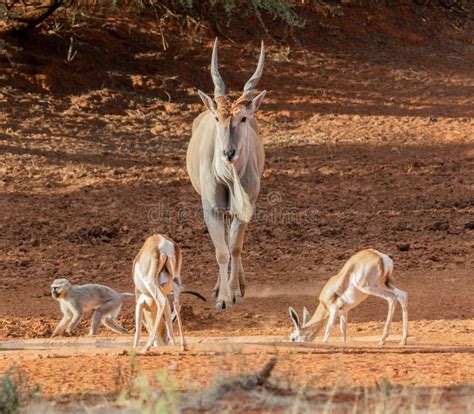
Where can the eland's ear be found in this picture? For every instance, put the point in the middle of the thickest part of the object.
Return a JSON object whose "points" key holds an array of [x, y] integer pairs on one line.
{"points": [[306, 315], [256, 102], [208, 101], [294, 317]]}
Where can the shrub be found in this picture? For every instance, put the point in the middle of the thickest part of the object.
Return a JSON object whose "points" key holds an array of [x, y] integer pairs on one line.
{"points": [[14, 391], [23, 15]]}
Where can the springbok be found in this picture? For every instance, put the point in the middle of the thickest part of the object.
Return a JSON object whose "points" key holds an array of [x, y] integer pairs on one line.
{"points": [[157, 271], [225, 162], [367, 272]]}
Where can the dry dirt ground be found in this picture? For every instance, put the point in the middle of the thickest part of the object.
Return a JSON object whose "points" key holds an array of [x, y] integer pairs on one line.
{"points": [[368, 127]]}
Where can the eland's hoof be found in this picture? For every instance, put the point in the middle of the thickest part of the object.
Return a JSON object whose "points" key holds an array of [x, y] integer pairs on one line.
{"points": [[220, 305], [236, 297]]}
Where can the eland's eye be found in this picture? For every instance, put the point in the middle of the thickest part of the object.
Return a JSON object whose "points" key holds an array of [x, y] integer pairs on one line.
{"points": [[216, 118], [243, 119]]}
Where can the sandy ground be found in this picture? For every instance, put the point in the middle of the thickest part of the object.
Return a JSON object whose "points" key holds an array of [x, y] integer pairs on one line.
{"points": [[82, 365], [369, 143]]}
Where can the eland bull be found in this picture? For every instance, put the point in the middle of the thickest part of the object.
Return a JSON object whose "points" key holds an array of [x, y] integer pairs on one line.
{"points": [[225, 162]]}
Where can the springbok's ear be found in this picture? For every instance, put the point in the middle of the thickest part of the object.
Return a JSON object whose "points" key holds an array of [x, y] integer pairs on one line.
{"points": [[208, 101], [294, 317], [255, 104], [305, 315]]}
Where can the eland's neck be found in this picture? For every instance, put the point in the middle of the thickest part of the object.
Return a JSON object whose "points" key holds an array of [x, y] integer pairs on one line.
{"points": [[231, 175]]}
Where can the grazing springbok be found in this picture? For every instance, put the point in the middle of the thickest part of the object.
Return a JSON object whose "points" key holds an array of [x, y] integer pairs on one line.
{"points": [[367, 272], [225, 162], [156, 272]]}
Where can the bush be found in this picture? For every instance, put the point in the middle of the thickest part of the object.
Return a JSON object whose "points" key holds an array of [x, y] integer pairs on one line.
{"points": [[23, 15], [221, 11], [14, 391]]}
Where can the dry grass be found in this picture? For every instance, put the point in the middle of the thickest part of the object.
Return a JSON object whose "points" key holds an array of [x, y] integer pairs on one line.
{"points": [[259, 392], [15, 390]]}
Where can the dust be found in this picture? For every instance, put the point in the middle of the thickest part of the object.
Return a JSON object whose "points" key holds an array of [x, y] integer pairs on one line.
{"points": [[288, 292]]}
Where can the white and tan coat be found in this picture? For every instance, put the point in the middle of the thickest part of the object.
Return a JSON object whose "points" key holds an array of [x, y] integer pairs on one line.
{"points": [[156, 272], [368, 272]]}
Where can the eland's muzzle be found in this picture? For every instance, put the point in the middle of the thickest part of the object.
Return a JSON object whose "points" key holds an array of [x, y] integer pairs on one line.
{"points": [[230, 155]]}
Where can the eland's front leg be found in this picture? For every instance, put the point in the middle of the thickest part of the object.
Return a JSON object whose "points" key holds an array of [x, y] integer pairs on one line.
{"points": [[216, 227], [237, 280]]}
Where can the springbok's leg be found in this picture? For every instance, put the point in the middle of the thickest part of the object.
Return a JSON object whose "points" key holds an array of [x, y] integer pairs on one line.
{"points": [[162, 338], [168, 321], [138, 321], [391, 298], [160, 301], [237, 281], [331, 320], [343, 326], [177, 309], [216, 228], [402, 297], [148, 318], [175, 270]]}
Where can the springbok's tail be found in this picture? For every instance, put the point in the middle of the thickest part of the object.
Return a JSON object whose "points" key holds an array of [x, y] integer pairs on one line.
{"points": [[194, 293]]}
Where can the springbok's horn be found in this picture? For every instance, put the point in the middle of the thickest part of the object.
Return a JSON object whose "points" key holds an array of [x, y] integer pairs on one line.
{"points": [[253, 81], [219, 86]]}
